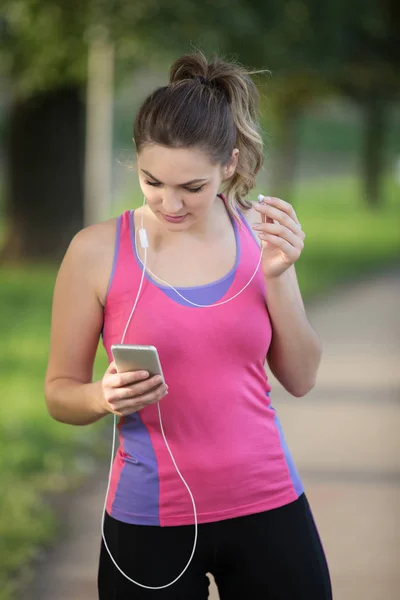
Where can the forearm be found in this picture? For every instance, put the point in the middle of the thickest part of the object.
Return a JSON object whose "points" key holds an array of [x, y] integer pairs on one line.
{"points": [[295, 350], [74, 402]]}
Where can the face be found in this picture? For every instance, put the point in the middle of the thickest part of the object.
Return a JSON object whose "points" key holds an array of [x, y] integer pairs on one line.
{"points": [[180, 185]]}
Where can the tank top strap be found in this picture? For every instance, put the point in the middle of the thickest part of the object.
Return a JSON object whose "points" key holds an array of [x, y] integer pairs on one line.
{"points": [[125, 274], [249, 253], [127, 238], [247, 231]]}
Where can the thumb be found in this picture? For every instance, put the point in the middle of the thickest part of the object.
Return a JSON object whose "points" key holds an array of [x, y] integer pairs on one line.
{"points": [[112, 368]]}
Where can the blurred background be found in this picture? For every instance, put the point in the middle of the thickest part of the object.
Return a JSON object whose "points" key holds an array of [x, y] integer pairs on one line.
{"points": [[72, 74]]}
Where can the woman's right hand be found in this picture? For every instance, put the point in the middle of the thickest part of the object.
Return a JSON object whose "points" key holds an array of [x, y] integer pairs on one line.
{"points": [[126, 393]]}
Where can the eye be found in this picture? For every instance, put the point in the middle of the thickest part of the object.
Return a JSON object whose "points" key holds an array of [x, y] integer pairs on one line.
{"points": [[195, 190], [153, 183]]}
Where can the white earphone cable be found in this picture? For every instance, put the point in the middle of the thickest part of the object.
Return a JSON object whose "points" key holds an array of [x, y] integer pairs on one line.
{"points": [[144, 243], [146, 269], [194, 303]]}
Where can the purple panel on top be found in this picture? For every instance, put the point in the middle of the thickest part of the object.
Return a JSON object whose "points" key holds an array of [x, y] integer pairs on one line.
{"points": [[138, 484], [203, 295], [115, 260], [294, 476], [116, 251]]}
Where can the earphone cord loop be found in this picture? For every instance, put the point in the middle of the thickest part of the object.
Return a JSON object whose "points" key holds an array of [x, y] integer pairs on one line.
{"points": [[144, 270], [170, 453]]}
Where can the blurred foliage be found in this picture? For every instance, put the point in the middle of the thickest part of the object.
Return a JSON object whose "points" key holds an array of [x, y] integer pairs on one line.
{"points": [[44, 43], [37, 454], [370, 51]]}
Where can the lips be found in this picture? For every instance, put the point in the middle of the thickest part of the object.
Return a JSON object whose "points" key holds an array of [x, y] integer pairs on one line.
{"points": [[174, 219]]}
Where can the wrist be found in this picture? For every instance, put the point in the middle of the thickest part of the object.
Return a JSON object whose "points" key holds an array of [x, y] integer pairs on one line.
{"points": [[280, 277], [97, 401]]}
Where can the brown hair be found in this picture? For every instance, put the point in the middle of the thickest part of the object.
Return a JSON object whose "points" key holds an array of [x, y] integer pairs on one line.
{"points": [[211, 106]]}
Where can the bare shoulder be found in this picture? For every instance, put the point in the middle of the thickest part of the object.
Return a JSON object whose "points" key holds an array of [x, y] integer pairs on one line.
{"points": [[91, 253], [91, 239]]}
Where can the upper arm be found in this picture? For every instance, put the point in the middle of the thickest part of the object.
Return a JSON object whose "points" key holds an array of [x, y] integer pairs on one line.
{"points": [[77, 314]]}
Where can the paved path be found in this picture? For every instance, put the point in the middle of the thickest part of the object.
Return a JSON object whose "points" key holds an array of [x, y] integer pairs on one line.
{"points": [[345, 438]]}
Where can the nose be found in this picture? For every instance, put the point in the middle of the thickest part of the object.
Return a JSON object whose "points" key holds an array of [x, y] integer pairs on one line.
{"points": [[171, 201]]}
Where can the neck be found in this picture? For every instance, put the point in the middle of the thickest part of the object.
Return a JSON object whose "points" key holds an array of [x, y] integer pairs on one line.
{"points": [[203, 228]]}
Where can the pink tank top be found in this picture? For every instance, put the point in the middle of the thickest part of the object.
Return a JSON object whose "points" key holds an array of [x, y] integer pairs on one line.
{"points": [[223, 432]]}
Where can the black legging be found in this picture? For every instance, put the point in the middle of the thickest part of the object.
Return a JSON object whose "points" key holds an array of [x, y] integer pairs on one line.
{"points": [[267, 556]]}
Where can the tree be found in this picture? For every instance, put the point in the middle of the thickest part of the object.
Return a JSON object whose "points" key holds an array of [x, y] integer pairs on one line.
{"points": [[45, 143], [296, 41], [43, 47], [370, 76], [45, 53]]}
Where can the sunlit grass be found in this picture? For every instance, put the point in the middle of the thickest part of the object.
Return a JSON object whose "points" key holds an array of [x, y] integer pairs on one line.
{"points": [[344, 241], [37, 454]]}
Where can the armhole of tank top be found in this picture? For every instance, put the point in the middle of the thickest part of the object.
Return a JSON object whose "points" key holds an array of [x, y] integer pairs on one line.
{"points": [[115, 259], [241, 221], [249, 229]]}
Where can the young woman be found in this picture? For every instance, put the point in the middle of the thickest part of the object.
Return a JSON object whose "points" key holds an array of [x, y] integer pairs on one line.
{"points": [[214, 329]]}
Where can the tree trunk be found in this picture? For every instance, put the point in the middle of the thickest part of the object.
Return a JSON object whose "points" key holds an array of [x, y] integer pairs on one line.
{"points": [[373, 150], [284, 159], [44, 175], [99, 129]]}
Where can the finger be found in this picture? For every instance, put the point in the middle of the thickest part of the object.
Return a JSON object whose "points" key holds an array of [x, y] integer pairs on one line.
{"points": [[295, 240], [291, 251], [134, 409], [275, 214], [278, 203], [284, 208], [129, 406], [138, 389], [110, 406], [118, 380], [112, 368]]}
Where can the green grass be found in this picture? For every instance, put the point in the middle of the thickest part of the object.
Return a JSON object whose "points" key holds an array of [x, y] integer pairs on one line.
{"points": [[37, 454], [342, 135], [344, 240]]}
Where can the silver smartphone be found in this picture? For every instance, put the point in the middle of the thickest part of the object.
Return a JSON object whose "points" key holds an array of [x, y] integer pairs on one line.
{"points": [[137, 358]]}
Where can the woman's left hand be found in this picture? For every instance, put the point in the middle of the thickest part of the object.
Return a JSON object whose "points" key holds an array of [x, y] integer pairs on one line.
{"points": [[281, 234]]}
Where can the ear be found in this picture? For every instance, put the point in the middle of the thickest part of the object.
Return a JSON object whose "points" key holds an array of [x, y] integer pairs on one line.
{"points": [[230, 166]]}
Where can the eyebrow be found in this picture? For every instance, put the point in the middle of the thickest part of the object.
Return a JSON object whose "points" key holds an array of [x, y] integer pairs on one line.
{"points": [[181, 184]]}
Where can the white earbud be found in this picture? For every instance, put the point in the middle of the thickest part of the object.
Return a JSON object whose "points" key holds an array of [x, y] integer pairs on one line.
{"points": [[144, 242]]}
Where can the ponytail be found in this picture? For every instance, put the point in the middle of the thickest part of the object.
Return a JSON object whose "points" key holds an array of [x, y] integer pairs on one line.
{"points": [[212, 106]]}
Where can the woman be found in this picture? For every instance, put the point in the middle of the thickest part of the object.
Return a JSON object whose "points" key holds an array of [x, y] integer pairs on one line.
{"points": [[214, 325]]}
